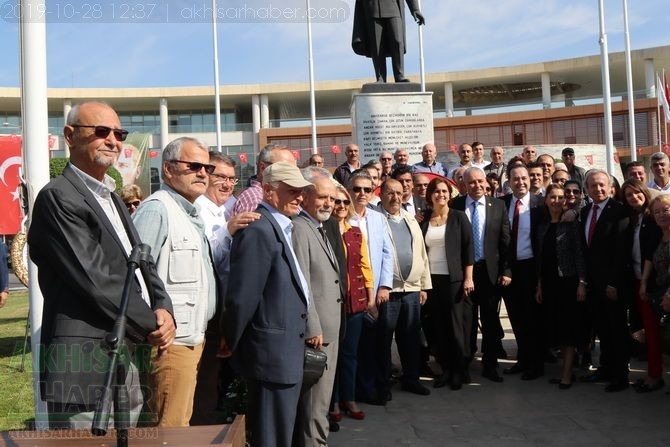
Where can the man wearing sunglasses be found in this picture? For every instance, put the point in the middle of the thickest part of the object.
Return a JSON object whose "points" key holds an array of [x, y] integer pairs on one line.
{"points": [[80, 238], [169, 222]]}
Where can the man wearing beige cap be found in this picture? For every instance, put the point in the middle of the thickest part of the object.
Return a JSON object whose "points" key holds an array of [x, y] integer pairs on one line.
{"points": [[266, 304]]}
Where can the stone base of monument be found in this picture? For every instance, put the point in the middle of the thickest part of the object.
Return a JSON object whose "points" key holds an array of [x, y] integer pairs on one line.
{"points": [[389, 116], [388, 87]]}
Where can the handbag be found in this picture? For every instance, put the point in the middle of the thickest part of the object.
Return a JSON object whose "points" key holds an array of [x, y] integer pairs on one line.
{"points": [[315, 364]]}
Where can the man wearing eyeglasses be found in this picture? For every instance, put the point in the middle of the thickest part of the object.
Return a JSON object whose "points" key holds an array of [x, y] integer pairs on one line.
{"points": [[386, 159], [576, 173], [170, 222], [80, 238]]}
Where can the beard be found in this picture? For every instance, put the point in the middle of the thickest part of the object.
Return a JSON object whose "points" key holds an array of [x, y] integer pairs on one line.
{"points": [[323, 215]]}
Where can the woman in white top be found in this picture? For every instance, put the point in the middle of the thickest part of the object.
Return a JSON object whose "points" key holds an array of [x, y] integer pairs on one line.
{"points": [[448, 237]]}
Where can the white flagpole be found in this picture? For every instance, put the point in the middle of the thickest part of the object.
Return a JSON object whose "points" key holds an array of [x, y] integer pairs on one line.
{"points": [[217, 92], [34, 113], [607, 96], [422, 70], [312, 101], [629, 79], [659, 91]]}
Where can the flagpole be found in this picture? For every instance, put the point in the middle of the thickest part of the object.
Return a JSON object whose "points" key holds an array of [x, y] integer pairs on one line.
{"points": [[217, 92], [607, 96], [34, 114], [422, 70], [312, 100], [659, 90], [629, 80]]}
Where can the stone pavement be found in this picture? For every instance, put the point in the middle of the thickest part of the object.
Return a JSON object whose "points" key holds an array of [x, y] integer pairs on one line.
{"points": [[515, 413]]}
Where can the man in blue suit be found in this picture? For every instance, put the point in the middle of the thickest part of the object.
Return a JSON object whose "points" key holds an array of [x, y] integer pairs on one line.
{"points": [[265, 313]]}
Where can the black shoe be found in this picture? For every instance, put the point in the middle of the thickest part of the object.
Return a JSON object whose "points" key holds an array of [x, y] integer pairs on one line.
{"points": [[415, 387], [426, 371], [402, 80], [492, 375], [442, 381], [597, 376], [514, 369], [466, 376], [564, 386], [371, 400], [333, 426], [532, 374], [617, 385], [502, 354]]}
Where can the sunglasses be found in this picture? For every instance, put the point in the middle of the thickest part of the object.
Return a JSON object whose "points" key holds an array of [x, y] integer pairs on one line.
{"points": [[222, 178], [361, 188], [340, 202], [195, 166], [572, 191], [103, 131], [133, 204]]}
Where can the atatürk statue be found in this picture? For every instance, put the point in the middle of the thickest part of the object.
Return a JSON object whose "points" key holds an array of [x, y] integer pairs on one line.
{"points": [[379, 32]]}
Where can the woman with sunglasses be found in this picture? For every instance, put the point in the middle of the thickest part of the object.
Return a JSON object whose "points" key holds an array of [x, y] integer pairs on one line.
{"points": [[643, 236], [448, 237], [132, 196], [561, 288], [359, 300]]}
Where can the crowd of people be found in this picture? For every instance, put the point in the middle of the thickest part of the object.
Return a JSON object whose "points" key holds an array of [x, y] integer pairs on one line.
{"points": [[345, 263]]}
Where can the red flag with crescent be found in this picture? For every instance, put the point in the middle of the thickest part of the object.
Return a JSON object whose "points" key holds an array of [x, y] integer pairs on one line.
{"points": [[296, 154], [454, 148], [243, 157], [589, 158], [335, 149], [616, 158], [10, 202]]}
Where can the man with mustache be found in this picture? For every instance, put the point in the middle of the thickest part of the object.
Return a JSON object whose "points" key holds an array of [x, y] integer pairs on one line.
{"points": [[169, 222], [80, 238]]}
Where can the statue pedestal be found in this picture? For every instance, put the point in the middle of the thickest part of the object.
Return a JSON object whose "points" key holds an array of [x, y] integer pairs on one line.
{"points": [[386, 117]]}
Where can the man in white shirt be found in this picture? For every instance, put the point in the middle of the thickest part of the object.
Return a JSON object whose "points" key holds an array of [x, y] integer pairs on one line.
{"points": [[478, 155], [661, 170]]}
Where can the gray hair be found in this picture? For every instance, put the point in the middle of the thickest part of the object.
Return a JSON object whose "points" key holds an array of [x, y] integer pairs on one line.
{"points": [[591, 172], [218, 157], [359, 173], [265, 155], [658, 156], [173, 149], [472, 169], [313, 173], [73, 114]]}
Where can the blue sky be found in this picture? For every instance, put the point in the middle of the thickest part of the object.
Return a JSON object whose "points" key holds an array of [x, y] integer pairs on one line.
{"points": [[459, 35]]}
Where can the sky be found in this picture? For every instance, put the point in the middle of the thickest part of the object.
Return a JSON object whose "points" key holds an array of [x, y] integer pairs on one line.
{"points": [[137, 43]]}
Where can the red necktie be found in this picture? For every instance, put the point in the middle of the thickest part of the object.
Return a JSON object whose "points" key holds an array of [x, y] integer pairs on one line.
{"points": [[515, 227], [593, 223]]}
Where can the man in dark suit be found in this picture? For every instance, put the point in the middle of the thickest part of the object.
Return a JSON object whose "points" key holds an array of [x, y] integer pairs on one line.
{"points": [[603, 225], [415, 205], [379, 32], [80, 239], [491, 262], [321, 269], [522, 309], [265, 309]]}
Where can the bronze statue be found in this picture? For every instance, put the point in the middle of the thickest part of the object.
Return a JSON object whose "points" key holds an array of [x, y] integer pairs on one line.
{"points": [[379, 32]]}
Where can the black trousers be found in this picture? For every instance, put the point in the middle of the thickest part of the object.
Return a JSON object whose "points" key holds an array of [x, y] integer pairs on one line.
{"points": [[611, 325], [485, 302], [525, 315]]}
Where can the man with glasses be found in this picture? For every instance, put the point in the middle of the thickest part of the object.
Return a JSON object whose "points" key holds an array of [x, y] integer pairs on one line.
{"points": [[576, 173], [560, 176], [386, 159], [375, 229], [80, 238], [420, 185], [170, 222]]}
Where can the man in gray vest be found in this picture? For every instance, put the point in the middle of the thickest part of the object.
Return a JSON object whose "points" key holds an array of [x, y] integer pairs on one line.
{"points": [[169, 222]]}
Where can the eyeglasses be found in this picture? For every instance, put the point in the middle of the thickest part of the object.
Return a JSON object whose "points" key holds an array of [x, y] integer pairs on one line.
{"points": [[421, 185], [358, 189], [220, 178], [133, 204], [572, 191], [195, 166], [103, 131], [386, 159], [341, 201]]}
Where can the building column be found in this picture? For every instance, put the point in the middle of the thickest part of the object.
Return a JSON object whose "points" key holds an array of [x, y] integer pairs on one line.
{"points": [[67, 106], [649, 78], [546, 91], [265, 112], [256, 120], [449, 99], [164, 127]]}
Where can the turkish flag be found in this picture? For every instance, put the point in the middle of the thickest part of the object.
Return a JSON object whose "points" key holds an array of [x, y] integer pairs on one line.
{"points": [[243, 157], [10, 203], [616, 158], [589, 158], [454, 148], [335, 149], [666, 148], [296, 154]]}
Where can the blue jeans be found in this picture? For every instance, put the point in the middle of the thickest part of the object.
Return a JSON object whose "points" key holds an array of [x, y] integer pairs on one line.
{"points": [[344, 389], [400, 315]]}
